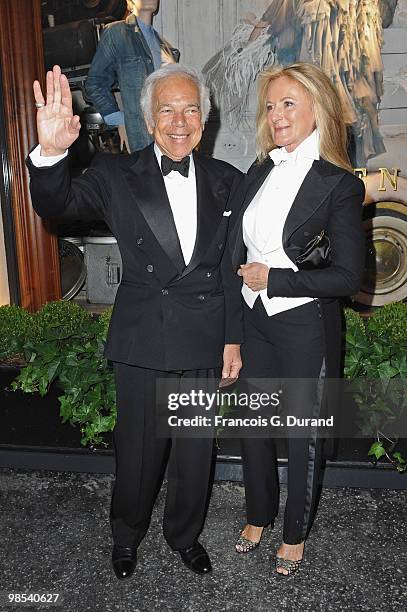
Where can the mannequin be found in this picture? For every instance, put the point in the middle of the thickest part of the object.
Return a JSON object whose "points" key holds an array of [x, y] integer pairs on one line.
{"points": [[128, 52], [342, 37]]}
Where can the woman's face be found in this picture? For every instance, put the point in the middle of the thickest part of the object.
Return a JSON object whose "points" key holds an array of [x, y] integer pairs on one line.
{"points": [[289, 113]]}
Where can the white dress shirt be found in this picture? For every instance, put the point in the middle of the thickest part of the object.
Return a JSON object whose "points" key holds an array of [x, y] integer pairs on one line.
{"points": [[181, 193], [41, 161], [264, 219]]}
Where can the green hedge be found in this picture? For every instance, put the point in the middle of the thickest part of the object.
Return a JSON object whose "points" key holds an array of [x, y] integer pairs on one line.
{"points": [[376, 348], [17, 328], [63, 344]]}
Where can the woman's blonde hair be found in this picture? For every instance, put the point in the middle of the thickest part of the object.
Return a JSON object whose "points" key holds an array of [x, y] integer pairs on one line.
{"points": [[326, 106]]}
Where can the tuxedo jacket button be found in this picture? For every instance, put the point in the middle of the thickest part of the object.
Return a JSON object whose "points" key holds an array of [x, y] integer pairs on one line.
{"points": [[139, 241], [201, 297], [164, 291], [150, 268], [209, 274]]}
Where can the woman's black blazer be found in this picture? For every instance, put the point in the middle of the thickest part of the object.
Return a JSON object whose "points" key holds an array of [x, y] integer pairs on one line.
{"points": [[330, 199]]}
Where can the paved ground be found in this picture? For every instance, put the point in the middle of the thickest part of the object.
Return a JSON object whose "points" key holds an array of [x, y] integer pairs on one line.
{"points": [[55, 538]]}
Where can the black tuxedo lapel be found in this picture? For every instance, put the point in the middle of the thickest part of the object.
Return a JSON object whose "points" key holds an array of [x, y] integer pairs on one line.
{"points": [[316, 187], [255, 181], [210, 207], [148, 189], [321, 179], [258, 175]]}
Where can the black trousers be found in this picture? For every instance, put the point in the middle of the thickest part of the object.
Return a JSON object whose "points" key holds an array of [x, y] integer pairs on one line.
{"points": [[142, 456], [287, 345]]}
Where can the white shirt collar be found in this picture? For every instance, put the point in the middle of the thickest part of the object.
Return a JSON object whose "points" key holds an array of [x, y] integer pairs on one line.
{"points": [[307, 149], [159, 154]]}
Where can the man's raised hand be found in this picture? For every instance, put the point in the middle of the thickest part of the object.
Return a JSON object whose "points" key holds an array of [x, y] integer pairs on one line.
{"points": [[57, 126]]}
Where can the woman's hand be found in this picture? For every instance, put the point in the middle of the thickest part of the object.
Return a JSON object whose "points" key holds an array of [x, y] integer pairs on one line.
{"points": [[255, 275], [57, 126]]}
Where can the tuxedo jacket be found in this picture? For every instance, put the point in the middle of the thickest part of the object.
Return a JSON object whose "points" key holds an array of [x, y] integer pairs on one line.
{"points": [[167, 316], [330, 199]]}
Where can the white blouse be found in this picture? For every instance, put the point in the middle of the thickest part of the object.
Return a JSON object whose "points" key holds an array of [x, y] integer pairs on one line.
{"points": [[264, 219]]}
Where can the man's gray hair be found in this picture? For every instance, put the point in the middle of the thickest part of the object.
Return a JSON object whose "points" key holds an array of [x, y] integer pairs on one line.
{"points": [[165, 72]]}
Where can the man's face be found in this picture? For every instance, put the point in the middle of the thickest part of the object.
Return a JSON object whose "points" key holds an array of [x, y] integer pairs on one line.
{"points": [[177, 127], [143, 5]]}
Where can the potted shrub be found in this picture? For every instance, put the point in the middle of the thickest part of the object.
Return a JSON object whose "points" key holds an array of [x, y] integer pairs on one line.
{"points": [[376, 357], [64, 358], [22, 416]]}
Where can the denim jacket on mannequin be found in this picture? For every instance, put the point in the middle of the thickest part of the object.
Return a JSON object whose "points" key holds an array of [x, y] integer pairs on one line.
{"points": [[123, 58]]}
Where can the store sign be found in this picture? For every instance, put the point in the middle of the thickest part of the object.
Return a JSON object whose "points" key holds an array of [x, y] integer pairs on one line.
{"points": [[386, 176]]}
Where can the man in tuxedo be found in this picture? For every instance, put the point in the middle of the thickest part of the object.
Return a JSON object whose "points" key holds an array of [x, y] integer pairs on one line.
{"points": [[178, 308]]}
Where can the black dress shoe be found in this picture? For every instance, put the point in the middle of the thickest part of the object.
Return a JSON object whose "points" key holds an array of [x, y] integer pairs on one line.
{"points": [[196, 559], [124, 560]]}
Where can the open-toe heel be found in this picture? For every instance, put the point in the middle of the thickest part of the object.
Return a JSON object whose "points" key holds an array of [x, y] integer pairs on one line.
{"points": [[287, 564], [244, 545]]}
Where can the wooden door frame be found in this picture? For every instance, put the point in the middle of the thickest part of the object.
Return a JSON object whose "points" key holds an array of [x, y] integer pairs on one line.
{"points": [[34, 248]]}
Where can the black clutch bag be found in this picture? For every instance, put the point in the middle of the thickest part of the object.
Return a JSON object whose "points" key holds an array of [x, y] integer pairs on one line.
{"points": [[316, 253]]}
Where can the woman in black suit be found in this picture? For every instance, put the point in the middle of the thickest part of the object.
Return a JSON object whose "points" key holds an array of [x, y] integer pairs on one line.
{"points": [[302, 203]]}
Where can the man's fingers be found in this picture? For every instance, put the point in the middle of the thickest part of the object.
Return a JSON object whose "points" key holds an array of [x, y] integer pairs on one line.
{"points": [[50, 88], [38, 92], [226, 369], [235, 366], [66, 96], [231, 369], [235, 369], [56, 71], [75, 123]]}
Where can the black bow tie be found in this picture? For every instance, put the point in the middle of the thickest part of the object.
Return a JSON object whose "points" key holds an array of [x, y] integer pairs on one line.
{"points": [[168, 164]]}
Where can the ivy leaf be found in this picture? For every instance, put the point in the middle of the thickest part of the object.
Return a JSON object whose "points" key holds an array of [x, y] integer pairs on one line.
{"points": [[386, 370], [52, 370], [377, 450], [43, 386], [398, 457]]}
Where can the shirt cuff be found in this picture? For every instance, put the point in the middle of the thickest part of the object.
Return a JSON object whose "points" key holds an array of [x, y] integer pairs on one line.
{"points": [[116, 118], [40, 161]]}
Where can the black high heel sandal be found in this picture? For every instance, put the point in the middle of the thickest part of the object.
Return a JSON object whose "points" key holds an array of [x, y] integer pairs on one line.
{"points": [[287, 564], [244, 545]]}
